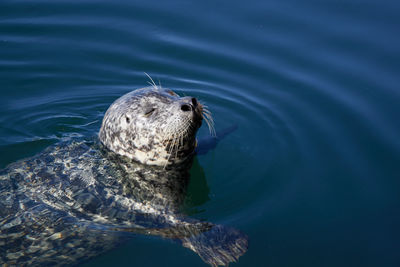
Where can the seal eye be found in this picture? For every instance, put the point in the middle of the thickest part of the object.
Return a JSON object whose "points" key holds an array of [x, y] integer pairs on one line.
{"points": [[128, 120], [149, 112]]}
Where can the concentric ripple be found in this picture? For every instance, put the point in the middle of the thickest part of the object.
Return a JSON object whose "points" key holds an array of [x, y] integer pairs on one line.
{"points": [[310, 173]]}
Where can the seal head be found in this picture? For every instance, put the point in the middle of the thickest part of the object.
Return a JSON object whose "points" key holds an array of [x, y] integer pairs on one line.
{"points": [[153, 126]]}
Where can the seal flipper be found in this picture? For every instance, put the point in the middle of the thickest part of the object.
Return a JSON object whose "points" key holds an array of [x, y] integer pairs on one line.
{"points": [[218, 246], [215, 244], [208, 143]]}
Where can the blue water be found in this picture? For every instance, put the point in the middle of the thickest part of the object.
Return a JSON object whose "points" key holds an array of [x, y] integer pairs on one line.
{"points": [[311, 174]]}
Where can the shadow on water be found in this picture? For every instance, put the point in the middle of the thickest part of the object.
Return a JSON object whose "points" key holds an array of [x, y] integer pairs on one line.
{"points": [[198, 190]]}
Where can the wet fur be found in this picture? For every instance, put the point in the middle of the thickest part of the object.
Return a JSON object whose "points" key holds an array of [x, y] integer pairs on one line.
{"points": [[79, 198]]}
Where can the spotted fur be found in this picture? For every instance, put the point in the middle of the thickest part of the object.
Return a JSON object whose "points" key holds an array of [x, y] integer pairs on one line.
{"points": [[79, 198], [143, 124]]}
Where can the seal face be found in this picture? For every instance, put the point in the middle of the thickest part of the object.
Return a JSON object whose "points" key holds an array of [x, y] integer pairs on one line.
{"points": [[153, 126], [77, 198]]}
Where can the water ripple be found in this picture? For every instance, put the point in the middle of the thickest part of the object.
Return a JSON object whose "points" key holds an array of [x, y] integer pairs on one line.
{"points": [[312, 87]]}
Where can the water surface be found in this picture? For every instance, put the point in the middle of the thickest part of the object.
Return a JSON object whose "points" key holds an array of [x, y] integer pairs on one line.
{"points": [[312, 172]]}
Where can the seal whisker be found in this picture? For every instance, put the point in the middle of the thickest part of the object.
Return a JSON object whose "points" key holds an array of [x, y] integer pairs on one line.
{"points": [[209, 120], [207, 113], [176, 145], [152, 83], [205, 109], [210, 126], [170, 149]]}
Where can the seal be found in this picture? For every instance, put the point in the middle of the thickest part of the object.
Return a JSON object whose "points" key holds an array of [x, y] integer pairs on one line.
{"points": [[79, 198]]}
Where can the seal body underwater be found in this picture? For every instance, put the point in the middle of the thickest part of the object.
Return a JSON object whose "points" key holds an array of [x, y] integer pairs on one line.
{"points": [[79, 198]]}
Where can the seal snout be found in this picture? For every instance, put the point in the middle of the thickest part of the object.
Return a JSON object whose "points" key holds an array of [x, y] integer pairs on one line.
{"points": [[189, 104]]}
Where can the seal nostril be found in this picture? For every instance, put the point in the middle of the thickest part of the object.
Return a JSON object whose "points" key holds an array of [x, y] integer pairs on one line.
{"points": [[194, 101], [186, 107]]}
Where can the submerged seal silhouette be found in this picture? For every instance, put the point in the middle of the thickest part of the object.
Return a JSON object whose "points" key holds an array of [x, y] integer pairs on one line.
{"points": [[79, 198]]}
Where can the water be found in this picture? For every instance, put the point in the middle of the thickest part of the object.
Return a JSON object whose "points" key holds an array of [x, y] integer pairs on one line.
{"points": [[312, 172]]}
